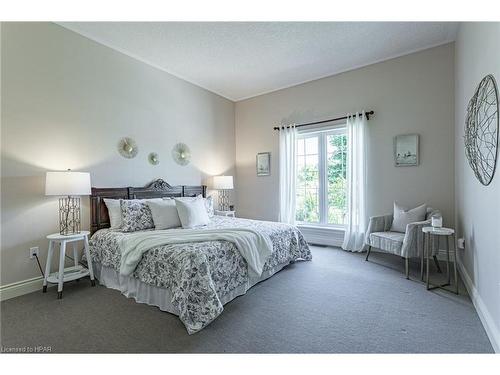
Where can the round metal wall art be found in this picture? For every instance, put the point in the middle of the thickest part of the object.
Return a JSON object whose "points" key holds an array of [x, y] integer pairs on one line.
{"points": [[127, 148], [481, 130], [181, 154], [153, 158]]}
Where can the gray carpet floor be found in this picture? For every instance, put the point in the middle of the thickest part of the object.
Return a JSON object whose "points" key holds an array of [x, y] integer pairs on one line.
{"points": [[338, 303]]}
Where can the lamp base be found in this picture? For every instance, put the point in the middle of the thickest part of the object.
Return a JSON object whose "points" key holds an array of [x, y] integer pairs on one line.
{"points": [[223, 200], [69, 215]]}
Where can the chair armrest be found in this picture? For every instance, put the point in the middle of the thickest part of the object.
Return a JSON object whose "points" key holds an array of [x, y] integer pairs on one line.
{"points": [[378, 224], [413, 241]]}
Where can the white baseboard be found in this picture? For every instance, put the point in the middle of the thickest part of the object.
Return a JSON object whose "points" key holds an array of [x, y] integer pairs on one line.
{"points": [[21, 287], [482, 311]]}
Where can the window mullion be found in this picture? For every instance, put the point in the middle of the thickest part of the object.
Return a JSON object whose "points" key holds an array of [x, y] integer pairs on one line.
{"points": [[323, 176]]}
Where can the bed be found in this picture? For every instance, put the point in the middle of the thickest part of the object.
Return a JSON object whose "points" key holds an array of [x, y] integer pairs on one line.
{"points": [[190, 280]]}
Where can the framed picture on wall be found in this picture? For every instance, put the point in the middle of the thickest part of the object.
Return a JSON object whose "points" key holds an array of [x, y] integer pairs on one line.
{"points": [[406, 150], [263, 164]]}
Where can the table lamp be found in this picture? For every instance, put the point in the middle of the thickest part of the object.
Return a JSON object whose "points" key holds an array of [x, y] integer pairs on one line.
{"points": [[223, 183], [70, 186]]}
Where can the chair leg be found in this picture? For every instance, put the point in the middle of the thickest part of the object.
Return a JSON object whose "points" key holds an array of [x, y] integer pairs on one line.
{"points": [[407, 268], [368, 253], [437, 264]]}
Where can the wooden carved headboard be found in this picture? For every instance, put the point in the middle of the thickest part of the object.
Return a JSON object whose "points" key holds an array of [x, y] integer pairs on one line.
{"points": [[99, 218]]}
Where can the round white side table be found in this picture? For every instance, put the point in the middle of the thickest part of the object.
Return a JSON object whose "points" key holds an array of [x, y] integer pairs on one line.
{"points": [[71, 273], [431, 233]]}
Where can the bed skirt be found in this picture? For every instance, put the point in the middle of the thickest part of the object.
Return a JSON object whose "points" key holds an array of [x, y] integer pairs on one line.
{"points": [[132, 287]]}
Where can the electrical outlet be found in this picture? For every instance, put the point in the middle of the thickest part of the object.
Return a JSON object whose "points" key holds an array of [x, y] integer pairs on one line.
{"points": [[33, 252]]}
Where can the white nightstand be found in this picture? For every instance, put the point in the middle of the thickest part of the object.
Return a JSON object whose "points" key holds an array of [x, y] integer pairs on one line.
{"points": [[225, 213], [71, 273]]}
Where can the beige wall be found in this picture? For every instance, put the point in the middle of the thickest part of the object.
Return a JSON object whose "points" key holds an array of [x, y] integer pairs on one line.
{"points": [[66, 101], [478, 206], [410, 94]]}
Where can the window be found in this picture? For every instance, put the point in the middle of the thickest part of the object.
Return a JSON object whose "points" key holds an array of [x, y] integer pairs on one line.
{"points": [[307, 199], [321, 177]]}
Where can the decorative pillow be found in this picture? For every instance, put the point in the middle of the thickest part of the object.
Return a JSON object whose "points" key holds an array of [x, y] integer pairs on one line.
{"points": [[403, 216], [114, 212], [136, 214], [192, 213], [164, 214], [209, 203]]}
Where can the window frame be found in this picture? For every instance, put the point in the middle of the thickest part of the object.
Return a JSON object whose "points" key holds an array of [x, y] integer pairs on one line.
{"points": [[322, 135]]}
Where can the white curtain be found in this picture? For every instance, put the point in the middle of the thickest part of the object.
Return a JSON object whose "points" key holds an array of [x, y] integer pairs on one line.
{"points": [[288, 172], [356, 183]]}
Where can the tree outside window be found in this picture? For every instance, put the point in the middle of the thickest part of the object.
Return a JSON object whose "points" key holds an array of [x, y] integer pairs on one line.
{"points": [[322, 157]]}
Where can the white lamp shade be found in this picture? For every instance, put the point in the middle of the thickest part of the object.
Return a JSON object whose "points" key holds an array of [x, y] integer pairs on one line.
{"points": [[67, 183], [223, 182]]}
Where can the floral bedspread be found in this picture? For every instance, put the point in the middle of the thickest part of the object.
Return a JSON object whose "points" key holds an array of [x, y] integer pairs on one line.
{"points": [[197, 274]]}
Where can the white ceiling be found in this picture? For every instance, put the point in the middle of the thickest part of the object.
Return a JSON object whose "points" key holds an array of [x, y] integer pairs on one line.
{"points": [[241, 60]]}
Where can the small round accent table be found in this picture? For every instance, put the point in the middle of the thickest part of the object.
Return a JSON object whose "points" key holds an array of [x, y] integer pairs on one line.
{"points": [[71, 273], [432, 233]]}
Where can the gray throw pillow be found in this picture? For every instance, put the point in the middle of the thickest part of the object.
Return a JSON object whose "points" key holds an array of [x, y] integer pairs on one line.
{"points": [[403, 216], [164, 214]]}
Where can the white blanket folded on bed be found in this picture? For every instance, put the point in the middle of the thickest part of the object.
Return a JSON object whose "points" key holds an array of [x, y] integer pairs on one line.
{"points": [[253, 246]]}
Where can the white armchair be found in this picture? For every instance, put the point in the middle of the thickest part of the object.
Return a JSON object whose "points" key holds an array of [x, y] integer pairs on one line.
{"points": [[407, 245]]}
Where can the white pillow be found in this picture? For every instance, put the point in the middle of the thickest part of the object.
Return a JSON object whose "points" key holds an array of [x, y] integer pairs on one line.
{"points": [[209, 203], [186, 198], [192, 213], [114, 212], [403, 216], [164, 213]]}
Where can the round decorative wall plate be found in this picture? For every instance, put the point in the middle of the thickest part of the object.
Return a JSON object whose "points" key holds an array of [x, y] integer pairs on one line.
{"points": [[153, 158], [127, 148], [181, 154], [481, 130]]}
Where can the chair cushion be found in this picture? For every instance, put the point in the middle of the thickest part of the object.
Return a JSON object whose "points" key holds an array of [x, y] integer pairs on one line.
{"points": [[390, 242]]}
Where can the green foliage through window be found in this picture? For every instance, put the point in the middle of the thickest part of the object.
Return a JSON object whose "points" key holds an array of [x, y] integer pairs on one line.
{"points": [[309, 177], [337, 184]]}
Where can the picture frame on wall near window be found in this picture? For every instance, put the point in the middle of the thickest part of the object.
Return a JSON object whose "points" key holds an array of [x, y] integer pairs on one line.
{"points": [[406, 150], [263, 164]]}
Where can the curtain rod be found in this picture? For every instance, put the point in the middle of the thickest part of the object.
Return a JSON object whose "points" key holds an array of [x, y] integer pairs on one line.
{"points": [[368, 114]]}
